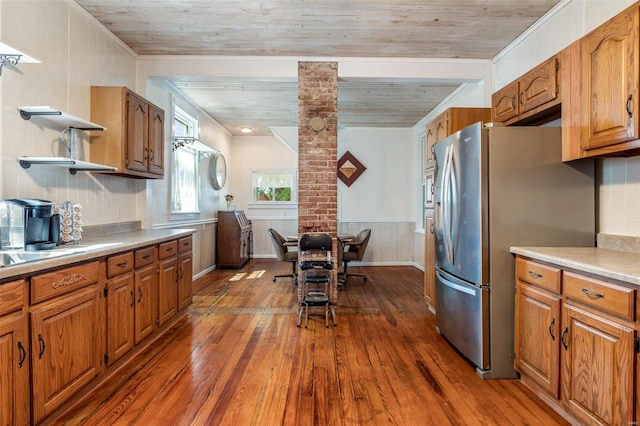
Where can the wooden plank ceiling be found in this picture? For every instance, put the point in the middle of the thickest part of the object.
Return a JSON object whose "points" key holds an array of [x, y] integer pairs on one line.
{"points": [[473, 29]]}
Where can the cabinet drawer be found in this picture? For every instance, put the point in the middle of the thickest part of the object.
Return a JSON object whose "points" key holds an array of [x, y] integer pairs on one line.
{"points": [[167, 249], [119, 264], [602, 295], [11, 296], [185, 244], [538, 274], [63, 281], [145, 256]]}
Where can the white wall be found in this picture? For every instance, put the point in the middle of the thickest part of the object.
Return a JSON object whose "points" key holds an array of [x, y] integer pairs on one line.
{"points": [[75, 53]]}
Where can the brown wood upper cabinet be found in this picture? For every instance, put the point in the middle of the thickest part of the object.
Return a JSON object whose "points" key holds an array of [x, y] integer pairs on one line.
{"points": [[449, 122], [134, 137], [528, 96], [610, 81]]}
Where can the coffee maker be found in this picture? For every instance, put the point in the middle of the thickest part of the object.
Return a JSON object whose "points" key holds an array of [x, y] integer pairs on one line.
{"points": [[28, 224]]}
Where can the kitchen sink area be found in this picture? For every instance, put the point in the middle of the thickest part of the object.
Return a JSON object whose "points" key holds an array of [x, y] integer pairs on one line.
{"points": [[19, 257]]}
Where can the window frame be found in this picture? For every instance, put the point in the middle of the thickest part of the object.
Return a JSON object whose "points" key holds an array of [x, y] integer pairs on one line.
{"points": [[191, 124], [293, 203]]}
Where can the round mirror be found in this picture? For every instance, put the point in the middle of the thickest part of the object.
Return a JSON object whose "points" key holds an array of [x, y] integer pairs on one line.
{"points": [[217, 170]]}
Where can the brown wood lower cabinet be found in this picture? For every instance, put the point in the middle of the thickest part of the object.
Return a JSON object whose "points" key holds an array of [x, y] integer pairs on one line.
{"points": [[146, 305], [14, 349], [65, 353], [63, 329], [429, 262], [574, 343], [185, 272]]}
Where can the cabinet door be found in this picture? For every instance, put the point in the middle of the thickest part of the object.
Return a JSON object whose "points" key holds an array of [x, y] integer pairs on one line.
{"points": [[537, 337], [137, 133], [597, 367], [65, 350], [442, 126], [539, 86], [430, 141], [609, 94], [156, 141], [14, 370], [429, 262], [429, 187], [167, 289], [185, 280], [146, 305], [504, 103], [120, 307]]}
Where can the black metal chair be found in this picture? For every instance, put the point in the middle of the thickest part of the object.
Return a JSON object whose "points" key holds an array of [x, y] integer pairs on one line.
{"points": [[285, 253], [315, 278]]}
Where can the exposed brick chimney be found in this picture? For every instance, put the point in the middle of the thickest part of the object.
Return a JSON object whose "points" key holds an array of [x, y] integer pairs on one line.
{"points": [[318, 150]]}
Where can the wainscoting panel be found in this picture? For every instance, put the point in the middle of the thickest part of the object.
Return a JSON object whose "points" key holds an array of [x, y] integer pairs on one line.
{"points": [[391, 243]]}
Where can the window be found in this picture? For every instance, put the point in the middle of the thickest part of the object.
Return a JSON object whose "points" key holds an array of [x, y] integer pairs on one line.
{"points": [[184, 179], [274, 187]]}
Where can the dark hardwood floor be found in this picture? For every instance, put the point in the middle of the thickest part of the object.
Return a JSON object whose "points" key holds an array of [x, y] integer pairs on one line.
{"points": [[237, 358]]}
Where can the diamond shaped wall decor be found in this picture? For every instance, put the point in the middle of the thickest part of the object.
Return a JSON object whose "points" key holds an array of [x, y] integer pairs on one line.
{"points": [[349, 168]]}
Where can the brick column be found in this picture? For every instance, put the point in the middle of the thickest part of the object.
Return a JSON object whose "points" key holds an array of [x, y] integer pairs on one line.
{"points": [[318, 153], [318, 150]]}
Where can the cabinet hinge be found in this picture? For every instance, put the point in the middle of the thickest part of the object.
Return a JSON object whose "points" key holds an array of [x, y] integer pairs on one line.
{"points": [[106, 359], [106, 292]]}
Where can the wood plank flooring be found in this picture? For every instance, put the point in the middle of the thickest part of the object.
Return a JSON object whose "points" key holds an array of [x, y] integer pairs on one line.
{"points": [[237, 358]]}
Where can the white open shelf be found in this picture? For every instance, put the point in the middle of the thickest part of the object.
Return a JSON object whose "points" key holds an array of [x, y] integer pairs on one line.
{"points": [[69, 163], [58, 118]]}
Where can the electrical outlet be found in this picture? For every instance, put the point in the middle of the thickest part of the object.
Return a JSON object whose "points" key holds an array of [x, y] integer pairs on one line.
{"points": [[351, 225]]}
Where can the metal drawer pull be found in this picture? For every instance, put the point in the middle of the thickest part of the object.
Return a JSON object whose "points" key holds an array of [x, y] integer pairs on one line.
{"points": [[592, 294], [122, 264], [23, 354], [139, 294], [534, 274], [562, 338], [42, 346], [133, 298], [146, 257], [553, 321]]}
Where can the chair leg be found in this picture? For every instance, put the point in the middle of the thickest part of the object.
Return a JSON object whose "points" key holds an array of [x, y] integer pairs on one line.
{"points": [[293, 274], [346, 275], [300, 314]]}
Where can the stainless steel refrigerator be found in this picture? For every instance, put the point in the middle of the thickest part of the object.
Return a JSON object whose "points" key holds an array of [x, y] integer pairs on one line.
{"points": [[498, 187]]}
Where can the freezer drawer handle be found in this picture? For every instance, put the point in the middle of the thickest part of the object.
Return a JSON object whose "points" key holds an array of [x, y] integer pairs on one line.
{"points": [[592, 294], [553, 336], [534, 274]]}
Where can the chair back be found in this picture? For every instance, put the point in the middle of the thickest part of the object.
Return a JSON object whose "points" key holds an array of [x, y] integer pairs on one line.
{"points": [[278, 244], [362, 238], [315, 242]]}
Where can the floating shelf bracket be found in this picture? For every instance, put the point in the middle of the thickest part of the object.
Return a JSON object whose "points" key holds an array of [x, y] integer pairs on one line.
{"points": [[73, 165], [58, 118]]}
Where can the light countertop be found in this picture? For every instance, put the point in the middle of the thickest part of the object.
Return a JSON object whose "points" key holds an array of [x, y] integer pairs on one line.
{"points": [[618, 265], [95, 247]]}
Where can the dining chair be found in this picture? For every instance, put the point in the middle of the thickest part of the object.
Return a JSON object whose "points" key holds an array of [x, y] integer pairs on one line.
{"points": [[354, 250], [285, 253]]}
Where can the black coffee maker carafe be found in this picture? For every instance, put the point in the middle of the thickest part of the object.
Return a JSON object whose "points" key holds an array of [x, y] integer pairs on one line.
{"points": [[29, 224]]}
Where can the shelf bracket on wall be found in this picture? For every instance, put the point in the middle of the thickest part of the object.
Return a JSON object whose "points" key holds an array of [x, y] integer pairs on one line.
{"points": [[8, 60]]}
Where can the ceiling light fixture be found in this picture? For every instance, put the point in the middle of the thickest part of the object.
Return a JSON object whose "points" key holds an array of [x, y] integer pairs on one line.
{"points": [[246, 129]]}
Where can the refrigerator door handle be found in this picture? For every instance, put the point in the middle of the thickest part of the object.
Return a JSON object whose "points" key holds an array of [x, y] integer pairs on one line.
{"points": [[453, 285], [446, 203]]}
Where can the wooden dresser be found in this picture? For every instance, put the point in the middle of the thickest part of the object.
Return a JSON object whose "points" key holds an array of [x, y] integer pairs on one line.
{"points": [[233, 242]]}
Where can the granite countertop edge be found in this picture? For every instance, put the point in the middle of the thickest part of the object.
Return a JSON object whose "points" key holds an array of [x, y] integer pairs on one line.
{"points": [[105, 245], [618, 265]]}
